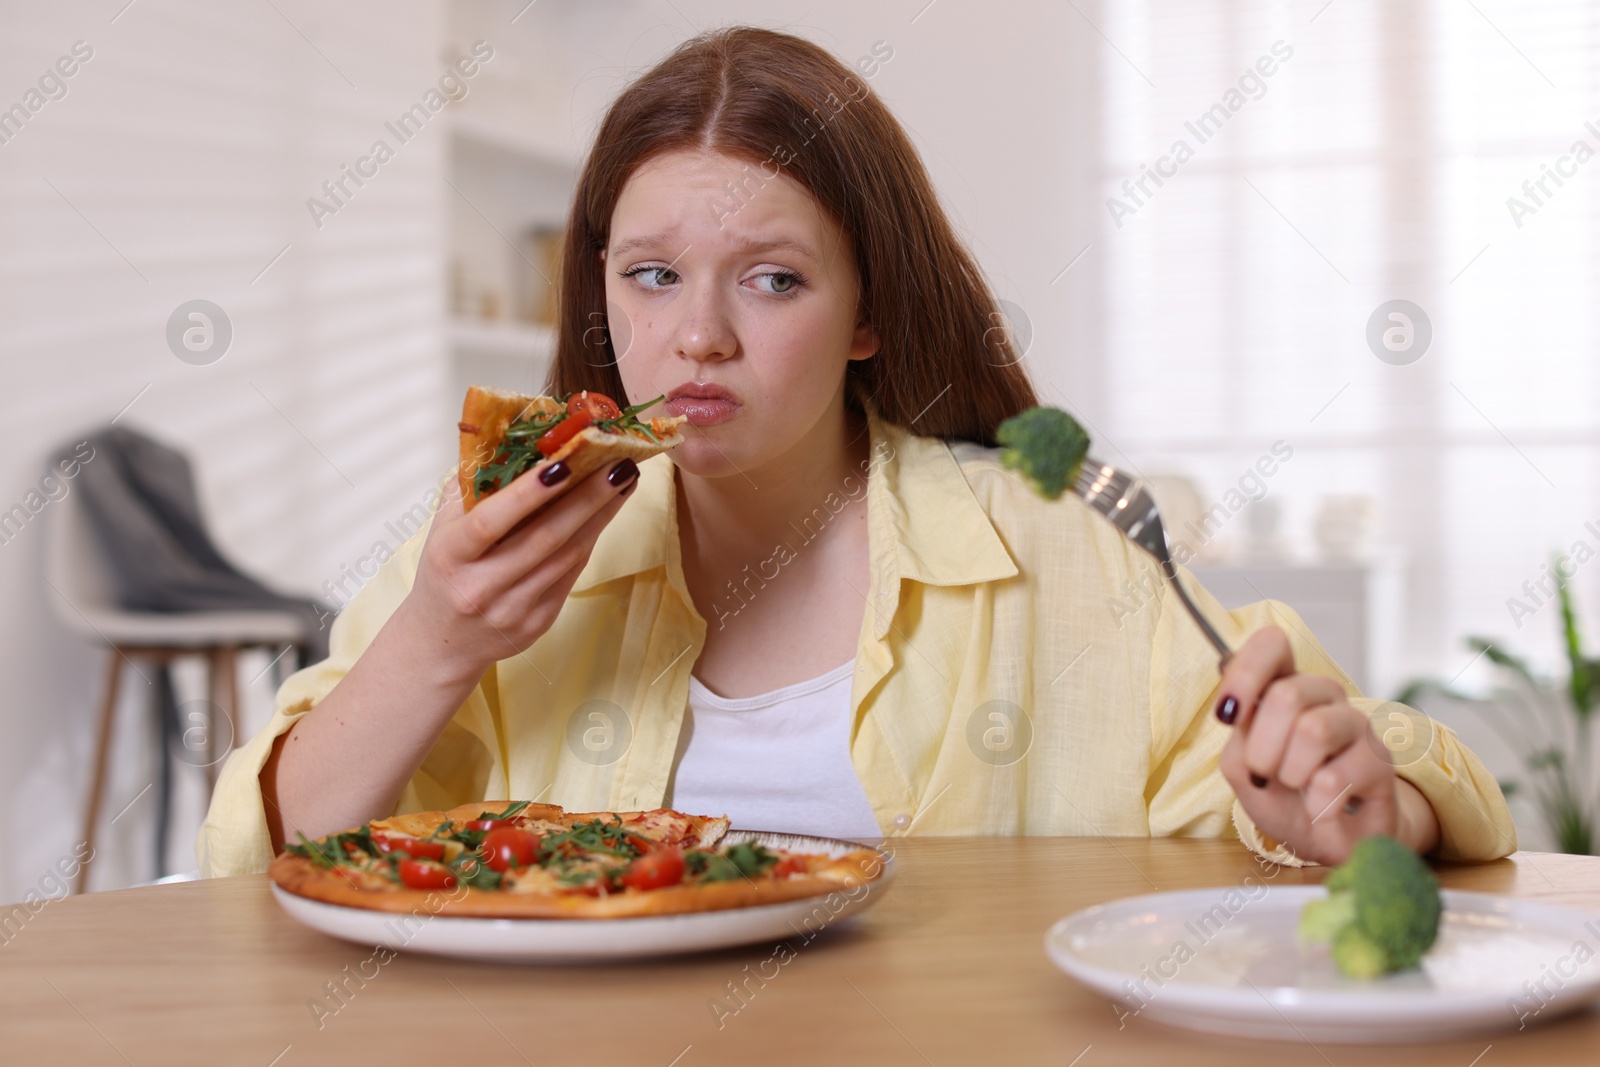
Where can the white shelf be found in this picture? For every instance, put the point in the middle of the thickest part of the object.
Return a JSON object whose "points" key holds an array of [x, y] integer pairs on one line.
{"points": [[510, 340], [508, 179], [476, 132], [512, 356]]}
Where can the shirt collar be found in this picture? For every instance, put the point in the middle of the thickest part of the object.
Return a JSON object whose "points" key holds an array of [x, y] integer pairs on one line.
{"points": [[923, 522]]}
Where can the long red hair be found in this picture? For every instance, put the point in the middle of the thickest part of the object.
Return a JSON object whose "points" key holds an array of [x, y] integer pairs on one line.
{"points": [[948, 366]]}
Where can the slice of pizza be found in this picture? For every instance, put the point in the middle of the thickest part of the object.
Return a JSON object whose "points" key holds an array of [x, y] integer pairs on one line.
{"points": [[504, 435], [512, 860]]}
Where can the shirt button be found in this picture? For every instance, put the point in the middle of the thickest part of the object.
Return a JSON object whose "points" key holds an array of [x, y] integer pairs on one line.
{"points": [[902, 821]]}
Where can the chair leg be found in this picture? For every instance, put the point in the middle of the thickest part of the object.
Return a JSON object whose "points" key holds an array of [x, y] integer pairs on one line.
{"points": [[224, 697], [292, 659], [102, 750]]}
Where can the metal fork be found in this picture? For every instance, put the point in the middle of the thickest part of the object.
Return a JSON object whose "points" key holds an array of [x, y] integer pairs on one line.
{"points": [[1132, 510]]}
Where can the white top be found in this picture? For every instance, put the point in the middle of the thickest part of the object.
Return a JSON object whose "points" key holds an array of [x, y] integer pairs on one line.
{"points": [[775, 761]]}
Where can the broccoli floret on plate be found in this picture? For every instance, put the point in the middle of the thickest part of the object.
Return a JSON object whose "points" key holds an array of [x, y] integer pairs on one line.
{"points": [[1045, 444], [1381, 913]]}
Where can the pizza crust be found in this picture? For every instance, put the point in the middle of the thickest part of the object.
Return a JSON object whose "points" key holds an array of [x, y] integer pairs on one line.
{"points": [[298, 875], [486, 414]]}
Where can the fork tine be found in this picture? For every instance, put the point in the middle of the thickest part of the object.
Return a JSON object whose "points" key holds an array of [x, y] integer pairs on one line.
{"points": [[1099, 480], [1128, 505], [1105, 488]]}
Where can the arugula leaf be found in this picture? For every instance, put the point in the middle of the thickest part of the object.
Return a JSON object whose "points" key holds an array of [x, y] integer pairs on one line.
{"points": [[362, 838], [751, 858], [515, 808], [330, 851], [744, 860], [629, 419], [719, 868], [312, 851], [519, 452], [477, 875], [597, 835]]}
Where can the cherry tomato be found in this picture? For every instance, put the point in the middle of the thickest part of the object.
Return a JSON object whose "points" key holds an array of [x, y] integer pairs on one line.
{"points": [[491, 824], [424, 874], [551, 440], [598, 405], [506, 847], [655, 869], [417, 848]]}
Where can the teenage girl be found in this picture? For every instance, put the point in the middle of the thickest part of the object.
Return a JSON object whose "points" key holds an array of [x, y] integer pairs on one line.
{"points": [[830, 609]]}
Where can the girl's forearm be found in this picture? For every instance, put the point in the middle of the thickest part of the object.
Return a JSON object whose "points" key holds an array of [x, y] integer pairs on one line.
{"points": [[346, 761]]}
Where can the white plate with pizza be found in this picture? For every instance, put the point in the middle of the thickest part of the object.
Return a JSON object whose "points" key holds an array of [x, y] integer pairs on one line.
{"points": [[522, 883], [1228, 961]]}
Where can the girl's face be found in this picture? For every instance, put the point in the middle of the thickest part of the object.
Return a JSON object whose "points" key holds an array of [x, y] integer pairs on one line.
{"points": [[742, 310]]}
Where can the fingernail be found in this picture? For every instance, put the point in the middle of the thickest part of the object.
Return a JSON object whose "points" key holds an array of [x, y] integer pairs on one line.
{"points": [[555, 472], [1257, 780], [623, 473], [1228, 710], [628, 488]]}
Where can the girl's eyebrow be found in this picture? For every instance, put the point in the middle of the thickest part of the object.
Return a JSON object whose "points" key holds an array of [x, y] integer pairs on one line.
{"points": [[648, 240], [778, 244], [655, 240]]}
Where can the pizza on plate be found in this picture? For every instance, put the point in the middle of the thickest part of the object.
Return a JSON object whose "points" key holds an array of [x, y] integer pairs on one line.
{"points": [[504, 435], [521, 860]]}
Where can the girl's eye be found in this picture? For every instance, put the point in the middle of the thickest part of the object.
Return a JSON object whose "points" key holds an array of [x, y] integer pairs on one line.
{"points": [[783, 283], [662, 276]]}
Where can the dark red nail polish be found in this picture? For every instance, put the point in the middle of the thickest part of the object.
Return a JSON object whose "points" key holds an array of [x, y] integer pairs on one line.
{"points": [[1257, 781], [628, 488], [623, 473], [1228, 710], [555, 472]]}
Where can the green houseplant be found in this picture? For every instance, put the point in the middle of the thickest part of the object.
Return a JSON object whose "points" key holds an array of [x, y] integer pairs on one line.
{"points": [[1548, 724]]}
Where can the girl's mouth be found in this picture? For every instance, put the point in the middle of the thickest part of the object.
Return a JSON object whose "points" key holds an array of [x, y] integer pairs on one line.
{"points": [[703, 411], [703, 403]]}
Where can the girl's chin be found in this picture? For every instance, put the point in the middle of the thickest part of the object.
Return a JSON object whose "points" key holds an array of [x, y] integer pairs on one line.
{"points": [[703, 459]]}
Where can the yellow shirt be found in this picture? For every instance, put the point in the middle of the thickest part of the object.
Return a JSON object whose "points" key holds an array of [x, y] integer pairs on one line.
{"points": [[1021, 669]]}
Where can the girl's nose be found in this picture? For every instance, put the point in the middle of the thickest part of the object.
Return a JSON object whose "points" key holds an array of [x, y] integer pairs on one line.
{"points": [[704, 332]]}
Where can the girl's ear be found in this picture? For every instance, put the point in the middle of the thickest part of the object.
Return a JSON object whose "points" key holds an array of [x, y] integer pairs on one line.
{"points": [[866, 343]]}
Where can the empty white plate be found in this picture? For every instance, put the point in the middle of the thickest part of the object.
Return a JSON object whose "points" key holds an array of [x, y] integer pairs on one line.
{"points": [[1227, 960]]}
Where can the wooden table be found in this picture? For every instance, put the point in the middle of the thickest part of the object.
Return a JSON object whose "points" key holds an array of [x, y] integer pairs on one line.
{"points": [[948, 968]]}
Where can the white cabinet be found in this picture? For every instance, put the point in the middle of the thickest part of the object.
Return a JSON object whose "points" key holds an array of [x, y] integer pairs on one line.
{"points": [[1348, 607]]}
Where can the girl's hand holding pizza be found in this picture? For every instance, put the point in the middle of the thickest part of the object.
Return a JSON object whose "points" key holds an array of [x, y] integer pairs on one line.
{"points": [[491, 581], [1305, 763]]}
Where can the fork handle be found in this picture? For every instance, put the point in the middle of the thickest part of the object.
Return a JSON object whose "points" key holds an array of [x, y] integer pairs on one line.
{"points": [[1223, 651]]}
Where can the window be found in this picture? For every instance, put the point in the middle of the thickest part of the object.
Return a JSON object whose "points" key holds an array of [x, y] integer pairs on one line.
{"points": [[1274, 172]]}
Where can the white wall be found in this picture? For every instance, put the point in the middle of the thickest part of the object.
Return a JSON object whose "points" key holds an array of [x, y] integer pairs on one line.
{"points": [[189, 144], [184, 152]]}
